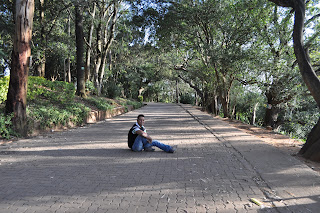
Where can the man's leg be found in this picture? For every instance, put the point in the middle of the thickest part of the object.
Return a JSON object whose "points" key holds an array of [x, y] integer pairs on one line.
{"points": [[137, 145], [162, 146], [141, 143]]}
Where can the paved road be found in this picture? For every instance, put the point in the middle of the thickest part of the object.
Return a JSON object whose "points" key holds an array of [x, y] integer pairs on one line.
{"points": [[217, 168]]}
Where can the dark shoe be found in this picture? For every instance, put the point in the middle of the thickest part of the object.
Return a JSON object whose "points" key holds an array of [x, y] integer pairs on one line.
{"points": [[173, 149], [149, 149]]}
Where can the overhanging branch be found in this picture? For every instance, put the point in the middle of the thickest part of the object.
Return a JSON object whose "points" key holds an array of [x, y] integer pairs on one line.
{"points": [[192, 86], [283, 3]]}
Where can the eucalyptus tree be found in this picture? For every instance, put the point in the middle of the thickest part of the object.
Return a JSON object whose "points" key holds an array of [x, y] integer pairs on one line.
{"points": [[80, 49], [92, 12], [20, 61], [311, 149], [105, 31]]}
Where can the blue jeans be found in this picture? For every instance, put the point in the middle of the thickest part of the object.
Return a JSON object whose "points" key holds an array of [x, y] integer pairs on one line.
{"points": [[142, 143]]}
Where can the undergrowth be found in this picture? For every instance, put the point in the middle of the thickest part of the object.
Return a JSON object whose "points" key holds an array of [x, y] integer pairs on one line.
{"points": [[53, 103]]}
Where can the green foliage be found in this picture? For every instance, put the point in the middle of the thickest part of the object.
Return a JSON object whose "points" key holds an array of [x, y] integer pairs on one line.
{"points": [[112, 90], [4, 85], [6, 126], [49, 116], [90, 88], [52, 103], [244, 100], [187, 98], [101, 103], [299, 116], [54, 91], [135, 104], [140, 98]]}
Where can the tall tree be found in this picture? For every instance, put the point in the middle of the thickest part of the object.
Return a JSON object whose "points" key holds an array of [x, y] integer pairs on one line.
{"points": [[20, 62], [311, 149], [42, 56], [273, 57], [80, 50], [209, 29], [108, 15], [50, 15], [89, 42]]}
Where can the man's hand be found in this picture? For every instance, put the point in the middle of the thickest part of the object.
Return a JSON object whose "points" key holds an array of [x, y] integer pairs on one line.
{"points": [[144, 134], [149, 139]]}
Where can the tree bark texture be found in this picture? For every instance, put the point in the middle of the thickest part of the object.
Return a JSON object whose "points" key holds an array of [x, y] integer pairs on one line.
{"points": [[306, 70], [17, 93], [311, 149], [89, 44], [68, 76], [254, 114], [80, 51], [272, 110], [41, 68]]}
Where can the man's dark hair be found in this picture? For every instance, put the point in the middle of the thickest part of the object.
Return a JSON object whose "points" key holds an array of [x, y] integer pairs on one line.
{"points": [[139, 116]]}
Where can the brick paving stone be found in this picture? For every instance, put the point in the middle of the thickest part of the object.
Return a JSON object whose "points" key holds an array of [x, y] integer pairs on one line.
{"points": [[91, 169]]}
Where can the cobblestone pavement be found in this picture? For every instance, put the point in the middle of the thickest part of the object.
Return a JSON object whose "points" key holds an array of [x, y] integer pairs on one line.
{"points": [[215, 169]]}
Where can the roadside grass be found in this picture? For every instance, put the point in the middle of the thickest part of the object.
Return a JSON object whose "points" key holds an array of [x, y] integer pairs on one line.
{"points": [[53, 104]]}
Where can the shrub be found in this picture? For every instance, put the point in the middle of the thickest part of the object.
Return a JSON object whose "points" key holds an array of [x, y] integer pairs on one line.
{"points": [[187, 99], [55, 91], [52, 103], [90, 88], [6, 126], [112, 90], [4, 85], [49, 116], [100, 103], [135, 104]]}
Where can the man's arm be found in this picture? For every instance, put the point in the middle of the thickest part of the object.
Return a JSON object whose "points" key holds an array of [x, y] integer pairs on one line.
{"points": [[144, 134]]}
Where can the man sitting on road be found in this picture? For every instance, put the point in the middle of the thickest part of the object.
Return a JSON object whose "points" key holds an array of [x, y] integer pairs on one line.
{"points": [[138, 139]]}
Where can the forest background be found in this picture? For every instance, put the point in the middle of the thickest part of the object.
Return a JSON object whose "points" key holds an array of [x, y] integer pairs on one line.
{"points": [[234, 58]]}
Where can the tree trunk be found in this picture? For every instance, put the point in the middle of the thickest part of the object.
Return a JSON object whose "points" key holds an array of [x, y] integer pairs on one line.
{"points": [[68, 73], [89, 48], [42, 65], [80, 51], [98, 57], [198, 90], [42, 56], [101, 72], [108, 39], [311, 149], [272, 111], [253, 120], [17, 93], [223, 91], [225, 106], [177, 91], [271, 116]]}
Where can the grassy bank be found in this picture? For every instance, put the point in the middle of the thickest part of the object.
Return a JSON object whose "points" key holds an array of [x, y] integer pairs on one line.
{"points": [[54, 105]]}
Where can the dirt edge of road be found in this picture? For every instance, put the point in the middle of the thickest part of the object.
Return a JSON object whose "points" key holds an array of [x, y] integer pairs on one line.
{"points": [[282, 142]]}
